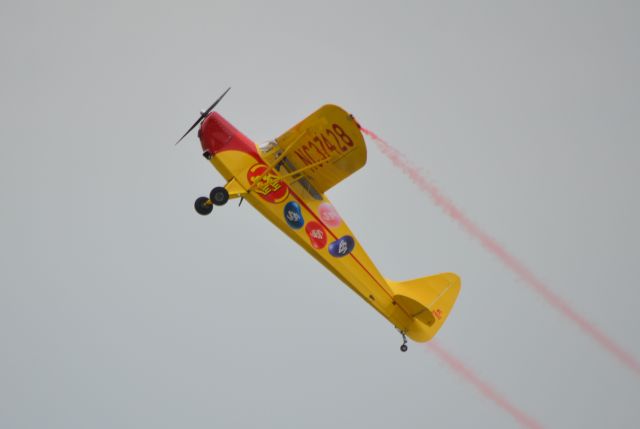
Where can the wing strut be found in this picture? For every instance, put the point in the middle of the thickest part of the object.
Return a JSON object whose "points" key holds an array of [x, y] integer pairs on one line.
{"points": [[277, 160], [281, 177]]}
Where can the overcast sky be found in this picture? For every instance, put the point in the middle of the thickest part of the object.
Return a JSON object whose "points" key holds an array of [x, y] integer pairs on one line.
{"points": [[121, 307]]}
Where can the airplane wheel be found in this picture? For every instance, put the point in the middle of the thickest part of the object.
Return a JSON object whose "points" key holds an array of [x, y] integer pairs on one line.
{"points": [[202, 207], [404, 348], [219, 196]]}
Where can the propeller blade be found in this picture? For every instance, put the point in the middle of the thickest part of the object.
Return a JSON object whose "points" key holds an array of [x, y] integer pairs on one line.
{"points": [[204, 115], [190, 129]]}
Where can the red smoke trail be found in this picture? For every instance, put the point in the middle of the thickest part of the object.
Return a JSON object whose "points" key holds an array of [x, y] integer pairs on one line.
{"points": [[507, 259], [486, 390]]}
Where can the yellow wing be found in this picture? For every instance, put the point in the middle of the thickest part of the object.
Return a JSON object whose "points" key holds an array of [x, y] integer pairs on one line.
{"points": [[325, 148]]}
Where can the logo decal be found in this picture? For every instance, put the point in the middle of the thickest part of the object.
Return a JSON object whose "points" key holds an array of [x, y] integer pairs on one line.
{"points": [[329, 215], [317, 234], [293, 215], [269, 186], [342, 246]]}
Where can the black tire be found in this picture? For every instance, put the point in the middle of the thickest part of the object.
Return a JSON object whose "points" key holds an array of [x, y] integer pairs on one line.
{"points": [[202, 207], [404, 348], [219, 196]]}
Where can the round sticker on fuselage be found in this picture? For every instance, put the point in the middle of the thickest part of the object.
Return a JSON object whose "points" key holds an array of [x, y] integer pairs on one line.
{"points": [[342, 246], [329, 215], [270, 187], [317, 234], [293, 215]]}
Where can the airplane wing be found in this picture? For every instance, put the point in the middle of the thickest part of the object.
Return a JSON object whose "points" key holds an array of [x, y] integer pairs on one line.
{"points": [[324, 148]]}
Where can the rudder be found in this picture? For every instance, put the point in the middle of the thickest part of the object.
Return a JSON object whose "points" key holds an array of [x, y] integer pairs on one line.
{"points": [[428, 300]]}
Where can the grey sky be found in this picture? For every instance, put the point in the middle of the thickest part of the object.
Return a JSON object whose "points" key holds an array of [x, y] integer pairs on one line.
{"points": [[121, 307]]}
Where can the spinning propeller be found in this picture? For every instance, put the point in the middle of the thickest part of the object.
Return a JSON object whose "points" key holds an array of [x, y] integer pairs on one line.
{"points": [[204, 115]]}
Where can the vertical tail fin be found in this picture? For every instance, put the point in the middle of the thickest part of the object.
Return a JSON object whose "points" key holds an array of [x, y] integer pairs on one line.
{"points": [[429, 300]]}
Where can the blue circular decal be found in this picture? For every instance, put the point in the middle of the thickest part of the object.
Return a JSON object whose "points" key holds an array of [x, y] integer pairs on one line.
{"points": [[342, 246], [293, 215]]}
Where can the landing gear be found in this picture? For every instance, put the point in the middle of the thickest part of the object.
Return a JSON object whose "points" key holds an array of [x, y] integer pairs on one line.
{"points": [[403, 347], [219, 196], [203, 206]]}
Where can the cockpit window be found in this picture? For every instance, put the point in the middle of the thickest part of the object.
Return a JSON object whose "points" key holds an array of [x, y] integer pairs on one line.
{"points": [[268, 146]]}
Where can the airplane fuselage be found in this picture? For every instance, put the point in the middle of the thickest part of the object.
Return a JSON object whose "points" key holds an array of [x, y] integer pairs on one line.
{"points": [[307, 217]]}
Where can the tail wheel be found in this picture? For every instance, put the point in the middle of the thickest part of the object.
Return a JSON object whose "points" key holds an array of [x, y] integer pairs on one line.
{"points": [[219, 196], [203, 206]]}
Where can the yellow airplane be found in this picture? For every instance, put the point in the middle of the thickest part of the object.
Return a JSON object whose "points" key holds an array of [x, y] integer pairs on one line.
{"points": [[286, 181]]}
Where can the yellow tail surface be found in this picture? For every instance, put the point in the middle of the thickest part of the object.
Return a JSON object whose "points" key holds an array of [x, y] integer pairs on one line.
{"points": [[428, 300]]}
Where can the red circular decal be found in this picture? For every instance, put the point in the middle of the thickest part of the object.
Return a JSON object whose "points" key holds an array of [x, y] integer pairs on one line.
{"points": [[317, 234], [269, 185]]}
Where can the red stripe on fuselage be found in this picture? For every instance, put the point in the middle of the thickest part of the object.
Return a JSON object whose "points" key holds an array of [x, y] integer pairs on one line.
{"points": [[301, 201]]}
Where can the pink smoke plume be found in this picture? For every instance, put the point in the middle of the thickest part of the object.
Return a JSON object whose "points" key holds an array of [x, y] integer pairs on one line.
{"points": [[485, 389], [505, 257]]}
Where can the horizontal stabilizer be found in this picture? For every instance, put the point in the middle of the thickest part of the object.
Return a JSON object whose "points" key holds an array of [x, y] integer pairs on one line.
{"points": [[428, 301]]}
